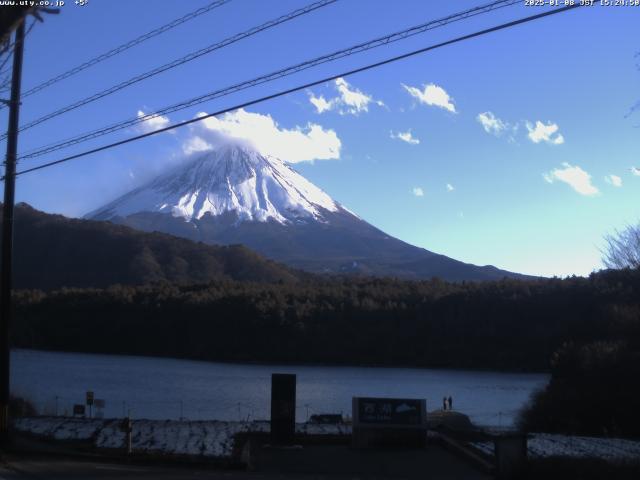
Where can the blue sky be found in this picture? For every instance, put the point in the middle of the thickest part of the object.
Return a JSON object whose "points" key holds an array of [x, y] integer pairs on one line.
{"points": [[486, 183]]}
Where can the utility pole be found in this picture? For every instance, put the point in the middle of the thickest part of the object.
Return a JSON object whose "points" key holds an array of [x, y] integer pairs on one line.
{"points": [[7, 231]]}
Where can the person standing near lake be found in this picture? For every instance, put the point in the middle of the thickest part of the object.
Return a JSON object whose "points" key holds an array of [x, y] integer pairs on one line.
{"points": [[450, 402], [444, 403]]}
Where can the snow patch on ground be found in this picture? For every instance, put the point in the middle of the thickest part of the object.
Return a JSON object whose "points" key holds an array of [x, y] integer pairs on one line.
{"points": [[542, 445], [60, 428], [208, 438]]}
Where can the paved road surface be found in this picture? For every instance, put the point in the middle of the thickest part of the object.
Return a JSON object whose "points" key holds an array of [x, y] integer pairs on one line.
{"points": [[58, 468], [66, 469], [311, 462]]}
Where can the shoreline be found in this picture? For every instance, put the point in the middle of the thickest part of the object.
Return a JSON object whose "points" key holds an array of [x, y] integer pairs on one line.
{"points": [[296, 364]]}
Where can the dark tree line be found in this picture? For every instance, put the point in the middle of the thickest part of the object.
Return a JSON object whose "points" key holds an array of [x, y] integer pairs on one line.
{"points": [[506, 325], [594, 390]]}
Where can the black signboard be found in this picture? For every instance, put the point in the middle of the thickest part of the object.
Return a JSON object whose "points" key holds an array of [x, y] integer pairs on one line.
{"points": [[89, 398], [389, 411], [78, 409], [389, 422], [283, 408]]}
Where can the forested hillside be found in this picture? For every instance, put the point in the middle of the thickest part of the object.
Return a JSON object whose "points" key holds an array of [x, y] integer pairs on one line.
{"points": [[52, 251], [504, 325]]}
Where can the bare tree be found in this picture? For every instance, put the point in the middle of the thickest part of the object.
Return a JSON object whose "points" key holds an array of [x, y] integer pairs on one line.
{"points": [[623, 248]]}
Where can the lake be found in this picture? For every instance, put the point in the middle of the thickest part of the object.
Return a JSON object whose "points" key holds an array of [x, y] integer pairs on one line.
{"points": [[162, 388]]}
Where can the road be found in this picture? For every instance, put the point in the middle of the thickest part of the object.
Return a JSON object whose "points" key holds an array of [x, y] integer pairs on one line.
{"points": [[49, 467], [56, 468]]}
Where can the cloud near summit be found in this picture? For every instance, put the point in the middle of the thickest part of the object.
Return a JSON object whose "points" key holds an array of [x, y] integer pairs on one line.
{"points": [[299, 144], [152, 122]]}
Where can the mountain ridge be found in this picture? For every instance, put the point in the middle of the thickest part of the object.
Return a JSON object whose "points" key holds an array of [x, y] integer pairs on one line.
{"points": [[52, 251], [234, 195]]}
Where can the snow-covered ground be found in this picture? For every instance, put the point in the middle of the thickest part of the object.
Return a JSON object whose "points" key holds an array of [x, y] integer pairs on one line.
{"points": [[215, 439], [210, 438], [542, 445]]}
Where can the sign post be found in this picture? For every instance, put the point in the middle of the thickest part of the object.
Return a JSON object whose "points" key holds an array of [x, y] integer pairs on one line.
{"points": [[127, 427], [89, 401]]}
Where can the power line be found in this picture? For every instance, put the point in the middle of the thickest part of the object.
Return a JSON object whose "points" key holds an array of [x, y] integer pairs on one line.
{"points": [[126, 46], [305, 86], [5, 46], [4, 62], [6, 75], [355, 49], [180, 61], [9, 45], [9, 49], [5, 84]]}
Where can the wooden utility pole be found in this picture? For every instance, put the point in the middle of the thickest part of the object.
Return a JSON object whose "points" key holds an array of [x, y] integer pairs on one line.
{"points": [[7, 231]]}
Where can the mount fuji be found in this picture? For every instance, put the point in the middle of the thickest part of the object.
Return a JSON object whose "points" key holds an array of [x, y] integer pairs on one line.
{"points": [[235, 195]]}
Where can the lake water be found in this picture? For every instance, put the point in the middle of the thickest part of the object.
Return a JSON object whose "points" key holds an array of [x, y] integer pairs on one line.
{"points": [[161, 388]]}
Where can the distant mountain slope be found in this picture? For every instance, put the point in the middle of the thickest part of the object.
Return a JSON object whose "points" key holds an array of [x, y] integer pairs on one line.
{"points": [[234, 195], [339, 246], [52, 251]]}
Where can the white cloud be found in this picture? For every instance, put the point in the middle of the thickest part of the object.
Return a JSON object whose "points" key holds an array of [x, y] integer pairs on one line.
{"points": [[547, 133], [350, 100], [573, 176], [635, 171], [492, 124], [195, 144], [299, 144], [405, 137], [321, 104], [152, 124], [418, 192], [432, 95], [450, 187], [352, 97], [614, 180]]}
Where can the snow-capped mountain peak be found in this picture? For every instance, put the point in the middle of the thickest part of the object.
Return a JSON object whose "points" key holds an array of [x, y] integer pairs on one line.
{"points": [[235, 195], [232, 178]]}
